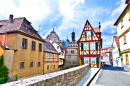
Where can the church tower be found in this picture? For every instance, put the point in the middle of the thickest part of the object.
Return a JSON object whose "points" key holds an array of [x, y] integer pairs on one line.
{"points": [[73, 35]]}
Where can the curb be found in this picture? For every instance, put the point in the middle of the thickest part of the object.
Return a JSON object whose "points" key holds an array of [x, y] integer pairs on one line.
{"points": [[94, 79]]}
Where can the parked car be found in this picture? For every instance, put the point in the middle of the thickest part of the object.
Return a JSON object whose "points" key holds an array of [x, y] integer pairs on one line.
{"points": [[107, 64]]}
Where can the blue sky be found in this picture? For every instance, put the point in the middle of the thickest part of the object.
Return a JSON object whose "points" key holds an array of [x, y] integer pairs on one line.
{"points": [[64, 15]]}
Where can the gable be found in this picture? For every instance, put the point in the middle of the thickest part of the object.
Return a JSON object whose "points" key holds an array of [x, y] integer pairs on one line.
{"points": [[88, 33]]}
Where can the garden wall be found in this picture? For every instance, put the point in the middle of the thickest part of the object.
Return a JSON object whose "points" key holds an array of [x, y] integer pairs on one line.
{"points": [[67, 77]]}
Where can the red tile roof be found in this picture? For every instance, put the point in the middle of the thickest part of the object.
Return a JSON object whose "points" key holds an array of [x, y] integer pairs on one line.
{"points": [[18, 24], [103, 54], [117, 41], [49, 47], [96, 29]]}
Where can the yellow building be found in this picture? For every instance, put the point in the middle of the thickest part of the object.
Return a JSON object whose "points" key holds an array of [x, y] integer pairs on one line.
{"points": [[123, 33], [51, 58], [25, 45], [1, 50]]}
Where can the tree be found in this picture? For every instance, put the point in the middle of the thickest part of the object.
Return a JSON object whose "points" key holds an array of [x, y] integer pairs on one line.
{"points": [[1, 61], [4, 71]]}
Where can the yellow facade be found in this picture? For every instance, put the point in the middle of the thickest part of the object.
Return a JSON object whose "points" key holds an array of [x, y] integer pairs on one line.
{"points": [[1, 51], [14, 41], [52, 63]]}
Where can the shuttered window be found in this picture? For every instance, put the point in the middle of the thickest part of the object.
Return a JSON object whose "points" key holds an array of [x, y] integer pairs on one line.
{"points": [[91, 33], [97, 60], [85, 34], [86, 46], [82, 60], [93, 60], [92, 46], [96, 45], [81, 46]]}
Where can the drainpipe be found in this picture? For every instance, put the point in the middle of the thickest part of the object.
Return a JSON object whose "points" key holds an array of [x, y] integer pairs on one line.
{"points": [[5, 39]]}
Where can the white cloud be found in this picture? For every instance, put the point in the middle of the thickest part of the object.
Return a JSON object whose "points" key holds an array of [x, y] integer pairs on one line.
{"points": [[34, 10], [119, 9], [107, 24], [67, 6], [117, 3]]}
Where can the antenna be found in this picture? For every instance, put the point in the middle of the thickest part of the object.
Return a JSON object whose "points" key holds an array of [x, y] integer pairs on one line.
{"points": [[73, 29], [39, 29]]}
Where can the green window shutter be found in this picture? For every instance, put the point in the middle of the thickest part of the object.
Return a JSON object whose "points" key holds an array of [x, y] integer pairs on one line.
{"points": [[82, 60], [81, 46], [97, 60], [96, 45], [85, 34], [91, 33]]}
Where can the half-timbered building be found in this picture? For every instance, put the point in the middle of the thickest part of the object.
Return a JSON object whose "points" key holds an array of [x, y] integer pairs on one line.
{"points": [[90, 45]]}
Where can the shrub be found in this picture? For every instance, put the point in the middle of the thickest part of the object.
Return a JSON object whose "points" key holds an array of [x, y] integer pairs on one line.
{"points": [[16, 77], [3, 80], [4, 71], [1, 61]]}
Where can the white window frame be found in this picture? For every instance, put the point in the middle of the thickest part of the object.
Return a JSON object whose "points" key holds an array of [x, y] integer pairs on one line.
{"points": [[88, 33], [86, 60], [93, 60], [85, 46], [92, 44]]}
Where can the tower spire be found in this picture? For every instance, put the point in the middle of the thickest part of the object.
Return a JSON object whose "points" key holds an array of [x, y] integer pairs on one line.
{"points": [[53, 29]]}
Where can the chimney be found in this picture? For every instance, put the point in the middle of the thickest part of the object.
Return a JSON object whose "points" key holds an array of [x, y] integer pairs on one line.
{"points": [[99, 26], [11, 18], [127, 1]]}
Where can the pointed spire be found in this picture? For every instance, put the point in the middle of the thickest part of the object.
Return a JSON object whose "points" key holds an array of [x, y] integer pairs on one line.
{"points": [[53, 29], [73, 29]]}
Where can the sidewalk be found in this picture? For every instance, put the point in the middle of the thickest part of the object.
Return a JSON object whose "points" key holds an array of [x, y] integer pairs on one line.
{"points": [[87, 77], [126, 67]]}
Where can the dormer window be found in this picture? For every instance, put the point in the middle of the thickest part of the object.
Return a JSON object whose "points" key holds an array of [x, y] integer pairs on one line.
{"points": [[122, 24]]}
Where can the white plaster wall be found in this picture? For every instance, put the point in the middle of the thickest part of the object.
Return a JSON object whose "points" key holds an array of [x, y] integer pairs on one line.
{"points": [[58, 50], [127, 45], [55, 45], [126, 25]]}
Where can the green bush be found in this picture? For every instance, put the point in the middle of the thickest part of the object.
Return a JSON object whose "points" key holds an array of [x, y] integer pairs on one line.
{"points": [[1, 61], [16, 77], [3, 80], [4, 71]]}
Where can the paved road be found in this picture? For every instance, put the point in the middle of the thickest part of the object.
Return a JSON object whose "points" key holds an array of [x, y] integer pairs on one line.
{"points": [[113, 76]]}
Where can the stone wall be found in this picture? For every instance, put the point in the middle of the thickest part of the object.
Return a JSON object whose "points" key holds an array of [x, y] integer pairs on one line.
{"points": [[67, 77]]}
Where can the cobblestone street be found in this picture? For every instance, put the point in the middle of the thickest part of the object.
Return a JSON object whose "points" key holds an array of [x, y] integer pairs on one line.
{"points": [[113, 76]]}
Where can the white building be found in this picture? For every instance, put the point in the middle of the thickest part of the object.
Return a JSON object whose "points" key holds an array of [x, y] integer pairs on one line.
{"points": [[60, 51], [123, 33], [115, 52]]}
